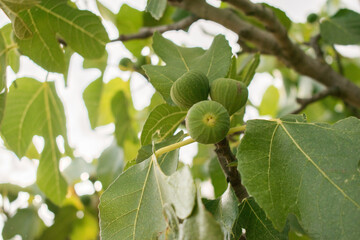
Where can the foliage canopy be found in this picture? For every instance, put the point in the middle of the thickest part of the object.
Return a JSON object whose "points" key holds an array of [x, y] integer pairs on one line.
{"points": [[293, 175]]}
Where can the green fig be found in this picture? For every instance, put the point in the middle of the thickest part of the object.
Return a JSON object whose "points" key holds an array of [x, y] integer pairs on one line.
{"points": [[232, 94], [207, 122], [190, 88]]}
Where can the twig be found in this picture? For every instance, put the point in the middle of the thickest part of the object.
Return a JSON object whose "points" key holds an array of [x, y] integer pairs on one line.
{"points": [[314, 43], [338, 61], [225, 157], [317, 97], [149, 31]]}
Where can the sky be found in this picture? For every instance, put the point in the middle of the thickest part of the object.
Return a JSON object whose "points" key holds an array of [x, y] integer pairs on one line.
{"points": [[89, 143]]}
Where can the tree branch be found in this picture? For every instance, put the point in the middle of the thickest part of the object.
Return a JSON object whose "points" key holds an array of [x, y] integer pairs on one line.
{"points": [[317, 97], [149, 31], [275, 41], [226, 157]]}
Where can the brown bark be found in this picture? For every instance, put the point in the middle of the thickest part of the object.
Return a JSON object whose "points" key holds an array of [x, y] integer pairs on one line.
{"points": [[273, 40], [225, 157]]}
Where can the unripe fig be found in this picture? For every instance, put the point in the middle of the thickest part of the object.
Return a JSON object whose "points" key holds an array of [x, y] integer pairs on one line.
{"points": [[232, 94], [207, 122], [126, 64], [190, 88], [312, 17]]}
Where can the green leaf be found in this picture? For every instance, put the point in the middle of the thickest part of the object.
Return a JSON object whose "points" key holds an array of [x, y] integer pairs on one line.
{"points": [[214, 62], [123, 122], [106, 13], [200, 164], [33, 108], [110, 164], [162, 122], [281, 16], [13, 56], [248, 68], [168, 161], [201, 225], [3, 65], [307, 169], [25, 223], [253, 219], [217, 177], [132, 207], [12, 9], [98, 97], [225, 210], [156, 8], [342, 28], [52, 19], [269, 102]]}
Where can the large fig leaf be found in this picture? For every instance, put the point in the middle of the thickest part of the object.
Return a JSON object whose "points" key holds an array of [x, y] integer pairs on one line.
{"points": [[306, 169], [33, 108], [132, 207], [214, 62], [53, 20]]}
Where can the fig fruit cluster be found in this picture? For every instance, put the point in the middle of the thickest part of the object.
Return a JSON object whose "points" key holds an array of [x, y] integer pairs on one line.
{"points": [[208, 121]]}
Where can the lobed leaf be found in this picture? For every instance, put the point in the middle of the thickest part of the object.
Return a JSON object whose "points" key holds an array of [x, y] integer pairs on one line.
{"points": [[306, 169], [33, 108], [132, 207], [214, 62]]}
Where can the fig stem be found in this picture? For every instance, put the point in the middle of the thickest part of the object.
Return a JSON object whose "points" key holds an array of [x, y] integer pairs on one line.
{"points": [[174, 146]]}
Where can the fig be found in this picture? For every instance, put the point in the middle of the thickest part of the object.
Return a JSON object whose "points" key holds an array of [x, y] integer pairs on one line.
{"points": [[190, 88], [312, 18], [232, 94], [207, 122]]}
